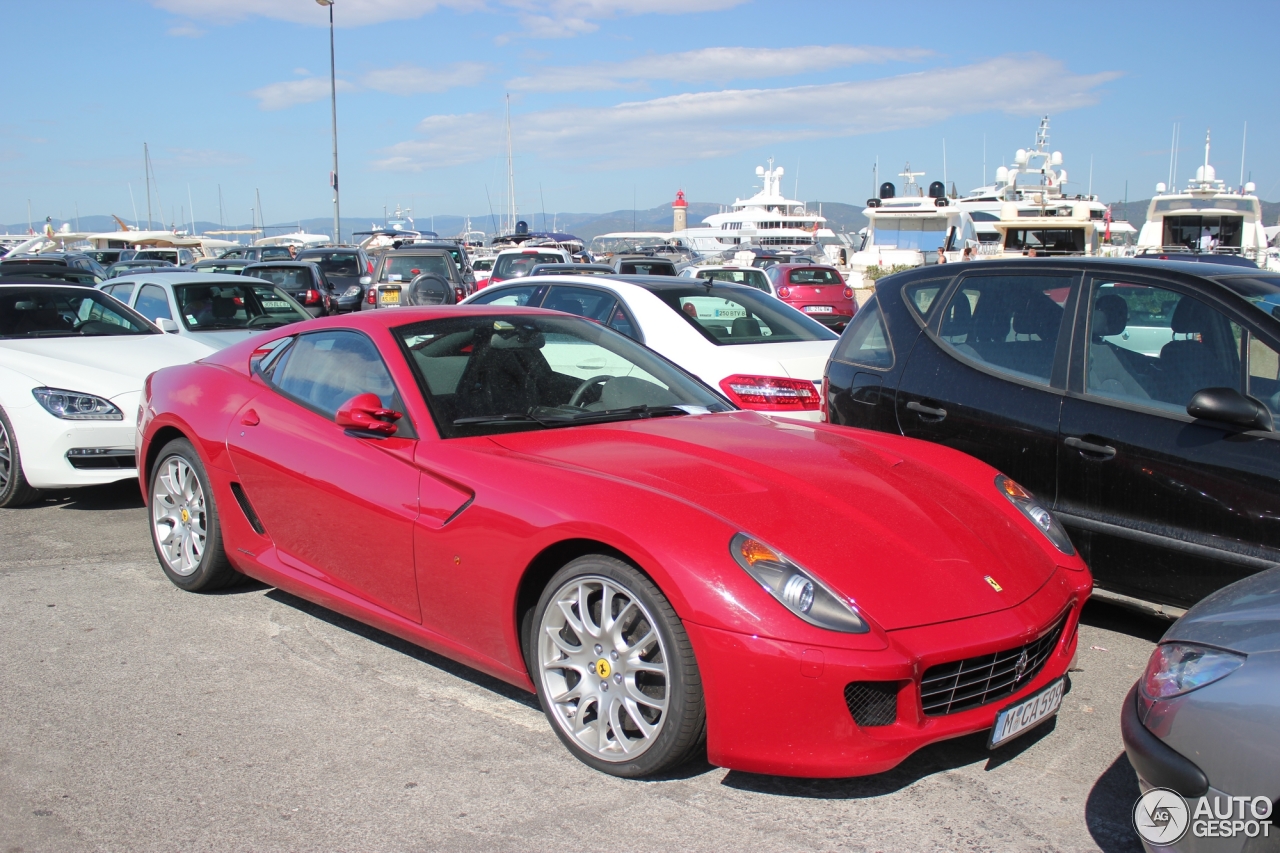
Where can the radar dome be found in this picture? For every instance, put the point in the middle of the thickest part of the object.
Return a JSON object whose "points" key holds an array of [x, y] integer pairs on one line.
{"points": [[1056, 159], [1250, 187], [1020, 157], [1160, 187], [1205, 173], [1002, 174], [778, 171], [759, 171]]}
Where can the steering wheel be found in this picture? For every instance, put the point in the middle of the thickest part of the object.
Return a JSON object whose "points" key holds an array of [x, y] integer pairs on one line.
{"points": [[587, 385]]}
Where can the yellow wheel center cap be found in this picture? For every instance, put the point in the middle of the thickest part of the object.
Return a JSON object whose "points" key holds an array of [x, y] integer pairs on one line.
{"points": [[602, 668], [186, 516]]}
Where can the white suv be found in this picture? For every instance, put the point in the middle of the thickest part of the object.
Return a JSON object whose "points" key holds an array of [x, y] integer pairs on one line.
{"points": [[516, 263]]}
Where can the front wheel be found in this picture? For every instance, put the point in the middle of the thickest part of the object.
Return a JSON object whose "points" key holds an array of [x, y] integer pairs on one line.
{"points": [[184, 522], [615, 670], [14, 489]]}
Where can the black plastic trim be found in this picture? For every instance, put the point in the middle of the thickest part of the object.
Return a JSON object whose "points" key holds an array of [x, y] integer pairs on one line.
{"points": [[1158, 764], [247, 509]]}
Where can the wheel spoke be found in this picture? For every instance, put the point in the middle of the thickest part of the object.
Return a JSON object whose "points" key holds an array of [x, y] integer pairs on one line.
{"points": [[635, 695], [584, 612], [646, 729]]}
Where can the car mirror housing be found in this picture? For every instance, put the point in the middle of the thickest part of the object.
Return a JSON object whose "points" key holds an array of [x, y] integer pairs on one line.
{"points": [[1229, 406], [365, 414], [167, 325]]}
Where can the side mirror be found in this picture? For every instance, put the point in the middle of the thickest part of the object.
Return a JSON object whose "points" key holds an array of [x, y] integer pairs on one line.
{"points": [[167, 325], [365, 413], [1229, 406], [366, 280]]}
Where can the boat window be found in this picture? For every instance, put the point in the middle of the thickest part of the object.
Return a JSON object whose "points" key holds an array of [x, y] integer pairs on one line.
{"points": [[48, 312], [1244, 205], [728, 315], [1045, 241], [924, 234], [1008, 323], [1204, 233], [866, 341]]}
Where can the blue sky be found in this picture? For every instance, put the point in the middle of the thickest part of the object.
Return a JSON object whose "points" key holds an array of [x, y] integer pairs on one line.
{"points": [[610, 100]]}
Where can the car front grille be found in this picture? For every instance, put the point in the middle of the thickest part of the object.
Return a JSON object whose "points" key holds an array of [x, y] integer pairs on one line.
{"points": [[972, 682], [872, 703], [89, 458]]}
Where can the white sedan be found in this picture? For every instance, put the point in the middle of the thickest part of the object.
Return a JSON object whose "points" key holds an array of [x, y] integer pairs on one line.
{"points": [[758, 351], [72, 365], [737, 274]]}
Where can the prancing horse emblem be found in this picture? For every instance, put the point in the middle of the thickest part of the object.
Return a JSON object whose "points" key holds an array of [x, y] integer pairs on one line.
{"points": [[1020, 668], [993, 583]]}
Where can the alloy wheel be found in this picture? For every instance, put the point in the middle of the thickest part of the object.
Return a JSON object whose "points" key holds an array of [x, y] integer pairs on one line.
{"points": [[178, 516], [604, 668], [6, 457]]}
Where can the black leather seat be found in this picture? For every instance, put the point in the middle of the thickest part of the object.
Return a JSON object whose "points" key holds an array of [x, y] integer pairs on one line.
{"points": [[1202, 361], [745, 327]]}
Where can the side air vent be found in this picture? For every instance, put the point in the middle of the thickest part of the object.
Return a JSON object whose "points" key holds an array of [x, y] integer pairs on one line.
{"points": [[872, 703], [247, 509]]}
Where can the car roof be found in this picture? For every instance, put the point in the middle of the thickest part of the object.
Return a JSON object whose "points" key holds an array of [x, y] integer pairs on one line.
{"points": [[419, 249], [280, 263], [19, 281], [184, 278], [651, 283], [1114, 265]]}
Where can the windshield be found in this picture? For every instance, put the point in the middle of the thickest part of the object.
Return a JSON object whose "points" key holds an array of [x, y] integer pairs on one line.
{"points": [[514, 266], [1262, 291], [752, 277], [482, 264], [815, 276], [206, 307], [335, 263], [230, 268], [290, 278], [727, 315], [409, 267], [495, 373], [170, 255], [48, 312], [924, 234]]}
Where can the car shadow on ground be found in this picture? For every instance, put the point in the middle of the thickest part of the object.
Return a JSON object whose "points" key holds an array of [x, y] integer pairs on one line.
{"points": [[396, 644], [935, 758], [1109, 810], [1122, 620], [122, 495]]}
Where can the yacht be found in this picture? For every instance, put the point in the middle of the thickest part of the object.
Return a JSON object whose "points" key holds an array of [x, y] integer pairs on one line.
{"points": [[766, 220], [1208, 216], [908, 229]]}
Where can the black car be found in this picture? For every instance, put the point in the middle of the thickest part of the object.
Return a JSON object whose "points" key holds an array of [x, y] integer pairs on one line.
{"points": [[107, 257], [1199, 258], [68, 260], [301, 280], [1135, 397], [232, 266], [571, 269], [642, 265], [257, 253], [120, 268], [347, 268], [460, 258], [49, 271]]}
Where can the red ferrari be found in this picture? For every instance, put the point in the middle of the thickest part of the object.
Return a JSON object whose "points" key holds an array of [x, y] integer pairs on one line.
{"points": [[554, 504]]}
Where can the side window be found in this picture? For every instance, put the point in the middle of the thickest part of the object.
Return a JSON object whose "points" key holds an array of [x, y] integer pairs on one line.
{"points": [[121, 291], [1264, 374], [153, 303], [509, 296], [1155, 346], [866, 341], [323, 370], [922, 294], [1009, 323], [586, 302]]}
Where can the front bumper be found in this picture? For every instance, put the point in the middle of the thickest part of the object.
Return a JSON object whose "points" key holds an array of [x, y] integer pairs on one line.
{"points": [[780, 708], [1157, 764], [45, 441]]}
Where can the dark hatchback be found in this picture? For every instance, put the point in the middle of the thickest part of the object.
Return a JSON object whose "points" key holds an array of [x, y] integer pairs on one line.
{"points": [[1134, 397], [301, 280], [347, 268]]}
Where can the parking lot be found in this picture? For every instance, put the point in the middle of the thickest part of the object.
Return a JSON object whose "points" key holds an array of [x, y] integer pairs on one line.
{"points": [[140, 717]]}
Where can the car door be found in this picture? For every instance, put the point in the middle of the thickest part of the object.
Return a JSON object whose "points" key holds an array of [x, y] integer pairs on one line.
{"points": [[987, 377], [338, 504], [1163, 506]]}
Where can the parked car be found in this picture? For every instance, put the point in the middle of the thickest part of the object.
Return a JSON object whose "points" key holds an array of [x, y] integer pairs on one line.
{"points": [[818, 291], [642, 265], [233, 266], [1201, 721], [77, 261], [761, 353], [482, 267], [414, 276], [72, 365], [347, 268], [516, 263], [750, 276], [106, 257], [257, 253], [52, 271], [650, 561], [130, 267], [178, 256], [571, 269], [1136, 396], [301, 280], [460, 258], [215, 308]]}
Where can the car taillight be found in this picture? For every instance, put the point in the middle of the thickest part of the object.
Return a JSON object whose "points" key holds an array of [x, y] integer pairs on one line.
{"points": [[770, 393], [784, 292], [494, 279], [461, 295], [822, 404], [372, 298], [370, 265], [848, 293], [312, 297]]}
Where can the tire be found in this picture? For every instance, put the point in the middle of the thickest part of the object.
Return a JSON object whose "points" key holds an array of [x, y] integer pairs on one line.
{"points": [[184, 521], [14, 488], [626, 705]]}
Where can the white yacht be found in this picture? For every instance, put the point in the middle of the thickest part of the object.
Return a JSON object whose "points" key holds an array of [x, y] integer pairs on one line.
{"points": [[908, 229], [1208, 216], [767, 220]]}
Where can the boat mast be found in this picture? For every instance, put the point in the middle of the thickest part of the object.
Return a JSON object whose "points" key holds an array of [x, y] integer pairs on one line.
{"points": [[511, 176], [146, 171], [1243, 140]]}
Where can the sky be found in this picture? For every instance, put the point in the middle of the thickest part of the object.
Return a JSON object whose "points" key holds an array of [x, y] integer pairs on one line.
{"points": [[613, 103]]}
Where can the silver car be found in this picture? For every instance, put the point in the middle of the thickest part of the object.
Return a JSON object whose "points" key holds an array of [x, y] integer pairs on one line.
{"points": [[1204, 723]]}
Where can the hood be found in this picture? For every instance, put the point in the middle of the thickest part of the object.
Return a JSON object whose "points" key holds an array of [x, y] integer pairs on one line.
{"points": [[1243, 617], [107, 365], [907, 542], [798, 360], [223, 338]]}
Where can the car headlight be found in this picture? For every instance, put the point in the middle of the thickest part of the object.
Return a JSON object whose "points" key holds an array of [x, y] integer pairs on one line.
{"points": [[1036, 514], [1177, 668], [74, 406], [353, 290], [797, 590]]}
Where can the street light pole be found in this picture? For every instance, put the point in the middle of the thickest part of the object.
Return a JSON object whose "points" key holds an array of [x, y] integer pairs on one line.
{"points": [[333, 101]]}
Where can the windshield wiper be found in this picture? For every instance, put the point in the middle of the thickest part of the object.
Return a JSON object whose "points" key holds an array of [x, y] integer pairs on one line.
{"points": [[629, 413], [509, 417]]}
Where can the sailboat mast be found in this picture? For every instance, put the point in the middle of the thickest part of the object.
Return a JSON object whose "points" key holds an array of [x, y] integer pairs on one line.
{"points": [[1243, 140], [511, 176], [146, 170]]}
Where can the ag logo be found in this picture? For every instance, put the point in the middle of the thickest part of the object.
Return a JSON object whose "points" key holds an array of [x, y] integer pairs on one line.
{"points": [[602, 668], [1160, 816]]}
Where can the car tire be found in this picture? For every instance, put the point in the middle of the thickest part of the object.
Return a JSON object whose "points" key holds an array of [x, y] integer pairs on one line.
{"points": [[627, 696], [14, 488], [185, 529]]}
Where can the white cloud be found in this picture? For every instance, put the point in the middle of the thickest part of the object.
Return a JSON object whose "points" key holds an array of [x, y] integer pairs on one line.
{"points": [[185, 29], [290, 93], [709, 65], [705, 125], [409, 79]]}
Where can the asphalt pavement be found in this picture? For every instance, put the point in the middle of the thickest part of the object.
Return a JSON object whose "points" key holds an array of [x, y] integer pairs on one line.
{"points": [[135, 716]]}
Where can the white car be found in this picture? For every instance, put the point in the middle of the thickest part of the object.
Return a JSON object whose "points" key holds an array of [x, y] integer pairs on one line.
{"points": [[516, 263], [750, 276], [218, 309], [72, 365], [756, 350]]}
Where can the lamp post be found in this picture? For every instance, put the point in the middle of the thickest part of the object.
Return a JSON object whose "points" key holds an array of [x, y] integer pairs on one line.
{"points": [[333, 101]]}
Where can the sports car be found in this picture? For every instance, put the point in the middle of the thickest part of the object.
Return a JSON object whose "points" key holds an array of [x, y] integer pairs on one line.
{"points": [[548, 501]]}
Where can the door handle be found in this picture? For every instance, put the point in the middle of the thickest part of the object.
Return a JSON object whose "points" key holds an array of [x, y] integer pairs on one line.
{"points": [[927, 411], [250, 418], [1106, 451]]}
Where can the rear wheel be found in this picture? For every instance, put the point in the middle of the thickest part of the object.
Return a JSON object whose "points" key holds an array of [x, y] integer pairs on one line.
{"points": [[14, 489], [184, 522], [615, 670]]}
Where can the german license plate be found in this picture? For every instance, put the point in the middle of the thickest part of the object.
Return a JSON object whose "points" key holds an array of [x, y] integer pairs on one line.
{"points": [[818, 309], [390, 295], [1027, 714]]}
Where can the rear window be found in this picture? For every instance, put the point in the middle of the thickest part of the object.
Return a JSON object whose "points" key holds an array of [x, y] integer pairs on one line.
{"points": [[816, 276], [647, 268], [290, 278], [408, 267], [336, 263], [514, 266], [750, 277], [737, 315]]}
